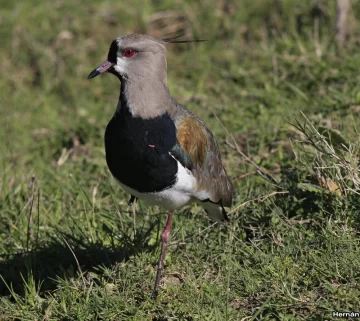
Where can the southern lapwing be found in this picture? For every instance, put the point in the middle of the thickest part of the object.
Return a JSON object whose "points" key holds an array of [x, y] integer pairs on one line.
{"points": [[159, 151]]}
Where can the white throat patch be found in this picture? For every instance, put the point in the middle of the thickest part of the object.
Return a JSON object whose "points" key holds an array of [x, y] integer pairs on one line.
{"points": [[120, 65]]}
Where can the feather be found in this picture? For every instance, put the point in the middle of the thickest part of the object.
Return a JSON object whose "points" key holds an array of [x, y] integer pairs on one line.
{"points": [[174, 39], [197, 150], [192, 139]]}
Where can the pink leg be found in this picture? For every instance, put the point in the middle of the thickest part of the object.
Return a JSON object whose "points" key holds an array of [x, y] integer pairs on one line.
{"points": [[164, 240]]}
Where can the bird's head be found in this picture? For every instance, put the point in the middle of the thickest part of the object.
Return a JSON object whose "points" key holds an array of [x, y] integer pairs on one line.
{"points": [[135, 56]]}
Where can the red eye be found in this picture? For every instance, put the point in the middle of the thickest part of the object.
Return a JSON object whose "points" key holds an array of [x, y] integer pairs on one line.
{"points": [[128, 53]]}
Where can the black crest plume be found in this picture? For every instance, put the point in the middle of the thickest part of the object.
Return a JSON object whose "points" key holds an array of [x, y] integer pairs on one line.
{"points": [[176, 39]]}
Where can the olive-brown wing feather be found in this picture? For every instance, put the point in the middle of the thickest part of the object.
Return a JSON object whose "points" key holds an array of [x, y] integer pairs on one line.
{"points": [[201, 154]]}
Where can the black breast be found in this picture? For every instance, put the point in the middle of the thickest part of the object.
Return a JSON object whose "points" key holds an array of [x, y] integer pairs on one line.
{"points": [[137, 151]]}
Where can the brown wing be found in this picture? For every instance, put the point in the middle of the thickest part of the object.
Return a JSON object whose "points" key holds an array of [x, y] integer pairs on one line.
{"points": [[203, 157]]}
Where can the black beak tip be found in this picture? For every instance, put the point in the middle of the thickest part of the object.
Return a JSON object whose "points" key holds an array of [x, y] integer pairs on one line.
{"points": [[93, 74]]}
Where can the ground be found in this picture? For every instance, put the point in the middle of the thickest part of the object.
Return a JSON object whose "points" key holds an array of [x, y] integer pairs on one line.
{"points": [[282, 98]]}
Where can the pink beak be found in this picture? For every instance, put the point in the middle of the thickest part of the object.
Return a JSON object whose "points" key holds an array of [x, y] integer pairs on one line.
{"points": [[102, 68]]}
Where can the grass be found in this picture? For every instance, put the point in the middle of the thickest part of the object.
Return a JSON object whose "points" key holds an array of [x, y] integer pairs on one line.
{"points": [[272, 85]]}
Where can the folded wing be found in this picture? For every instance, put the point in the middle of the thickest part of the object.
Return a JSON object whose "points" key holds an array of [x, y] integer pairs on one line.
{"points": [[198, 151]]}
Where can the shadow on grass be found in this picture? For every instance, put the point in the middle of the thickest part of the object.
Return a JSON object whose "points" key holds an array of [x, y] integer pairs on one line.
{"points": [[55, 259]]}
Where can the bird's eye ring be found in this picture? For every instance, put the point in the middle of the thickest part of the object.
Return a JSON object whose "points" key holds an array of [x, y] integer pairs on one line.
{"points": [[128, 53]]}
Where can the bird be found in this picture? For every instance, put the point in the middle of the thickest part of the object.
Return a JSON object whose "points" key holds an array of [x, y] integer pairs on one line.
{"points": [[158, 150]]}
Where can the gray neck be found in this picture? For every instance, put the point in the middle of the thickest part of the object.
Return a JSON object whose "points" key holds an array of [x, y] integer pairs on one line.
{"points": [[146, 98]]}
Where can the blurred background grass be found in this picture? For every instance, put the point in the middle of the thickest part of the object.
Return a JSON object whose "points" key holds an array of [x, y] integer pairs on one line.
{"points": [[291, 252]]}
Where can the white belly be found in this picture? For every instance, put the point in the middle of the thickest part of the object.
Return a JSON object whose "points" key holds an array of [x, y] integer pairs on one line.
{"points": [[172, 198]]}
